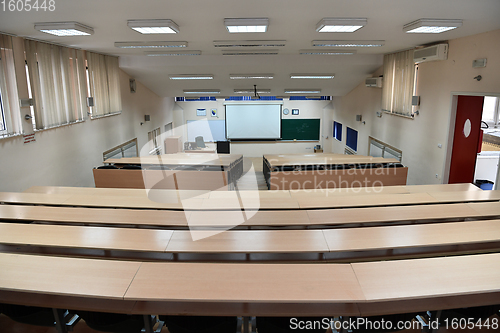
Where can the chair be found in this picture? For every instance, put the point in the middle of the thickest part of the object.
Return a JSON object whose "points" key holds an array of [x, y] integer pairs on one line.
{"points": [[107, 167], [200, 324], [131, 167], [200, 142], [213, 168], [114, 322], [29, 314], [285, 325], [159, 167], [394, 165]]}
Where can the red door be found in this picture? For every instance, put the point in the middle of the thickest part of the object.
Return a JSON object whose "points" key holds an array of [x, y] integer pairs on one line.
{"points": [[466, 139]]}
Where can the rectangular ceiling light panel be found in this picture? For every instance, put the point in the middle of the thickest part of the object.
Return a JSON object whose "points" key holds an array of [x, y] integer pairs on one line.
{"points": [[348, 43], [148, 45], [327, 52], [246, 25], [62, 29], [154, 26], [251, 76], [171, 53], [312, 76], [249, 43], [340, 24], [191, 77], [431, 26]]}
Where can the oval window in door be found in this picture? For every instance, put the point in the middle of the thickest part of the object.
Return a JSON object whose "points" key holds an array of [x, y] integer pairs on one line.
{"points": [[467, 128]]}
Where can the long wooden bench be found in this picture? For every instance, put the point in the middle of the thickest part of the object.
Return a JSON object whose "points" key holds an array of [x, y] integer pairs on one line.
{"points": [[250, 289], [410, 240]]}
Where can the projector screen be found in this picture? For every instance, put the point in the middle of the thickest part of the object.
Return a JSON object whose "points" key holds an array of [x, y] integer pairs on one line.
{"points": [[253, 121]]}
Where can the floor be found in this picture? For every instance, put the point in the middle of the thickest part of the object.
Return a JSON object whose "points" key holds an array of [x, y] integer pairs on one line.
{"points": [[251, 177], [9, 326]]}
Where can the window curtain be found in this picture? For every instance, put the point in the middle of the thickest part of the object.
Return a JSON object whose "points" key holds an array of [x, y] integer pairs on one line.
{"points": [[399, 72], [10, 118], [58, 84], [104, 77]]}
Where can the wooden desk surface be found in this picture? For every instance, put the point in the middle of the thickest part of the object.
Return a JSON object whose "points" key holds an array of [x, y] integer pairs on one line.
{"points": [[391, 214], [118, 192], [180, 159], [464, 196], [259, 218], [441, 188], [249, 241], [247, 283], [66, 276], [320, 159], [412, 236], [434, 279], [109, 216], [85, 237], [366, 200]]}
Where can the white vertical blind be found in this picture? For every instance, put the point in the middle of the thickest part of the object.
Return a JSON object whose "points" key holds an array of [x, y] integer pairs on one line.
{"points": [[57, 76], [399, 74], [104, 77], [10, 113]]}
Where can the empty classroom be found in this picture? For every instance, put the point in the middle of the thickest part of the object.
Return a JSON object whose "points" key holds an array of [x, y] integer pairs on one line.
{"points": [[268, 166]]}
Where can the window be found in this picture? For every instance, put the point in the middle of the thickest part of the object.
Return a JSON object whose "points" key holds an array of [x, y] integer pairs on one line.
{"points": [[352, 139], [154, 147], [10, 113], [491, 111], [399, 83], [104, 82], [57, 78], [337, 130]]}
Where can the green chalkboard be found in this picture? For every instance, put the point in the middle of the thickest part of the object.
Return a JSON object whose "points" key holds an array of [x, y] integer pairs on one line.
{"points": [[300, 129]]}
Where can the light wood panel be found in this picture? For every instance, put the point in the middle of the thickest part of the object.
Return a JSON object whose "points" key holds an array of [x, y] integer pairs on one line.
{"points": [[248, 241], [391, 214], [131, 217], [180, 159], [367, 200], [251, 218], [323, 159], [66, 276], [465, 196], [434, 282], [413, 236], [246, 283], [85, 237]]}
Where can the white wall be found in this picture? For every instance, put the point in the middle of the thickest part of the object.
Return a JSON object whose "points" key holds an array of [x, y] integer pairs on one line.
{"points": [[438, 81], [65, 156], [307, 109]]}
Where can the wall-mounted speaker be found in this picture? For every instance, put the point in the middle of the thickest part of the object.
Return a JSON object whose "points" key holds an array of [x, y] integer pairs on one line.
{"points": [[147, 117]]}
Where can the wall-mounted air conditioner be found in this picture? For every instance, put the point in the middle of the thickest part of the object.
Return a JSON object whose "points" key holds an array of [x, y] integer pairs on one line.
{"points": [[431, 53], [374, 82]]}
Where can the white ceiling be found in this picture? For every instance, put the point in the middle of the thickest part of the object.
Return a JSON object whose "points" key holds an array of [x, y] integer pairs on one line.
{"points": [[202, 21]]}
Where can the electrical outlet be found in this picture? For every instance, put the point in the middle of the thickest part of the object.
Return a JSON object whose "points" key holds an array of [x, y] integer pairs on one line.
{"points": [[440, 145], [437, 175]]}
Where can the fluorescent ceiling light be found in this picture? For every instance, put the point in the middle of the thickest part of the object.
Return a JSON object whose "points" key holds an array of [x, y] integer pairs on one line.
{"points": [[251, 76], [302, 91], [154, 26], [262, 52], [202, 91], [431, 26], [340, 24], [62, 29], [146, 45], [172, 53], [251, 91], [246, 25], [191, 77], [249, 43], [312, 76], [348, 43], [327, 52]]}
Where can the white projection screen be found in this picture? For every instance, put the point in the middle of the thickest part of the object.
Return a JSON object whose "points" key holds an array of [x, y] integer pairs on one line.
{"points": [[253, 121]]}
